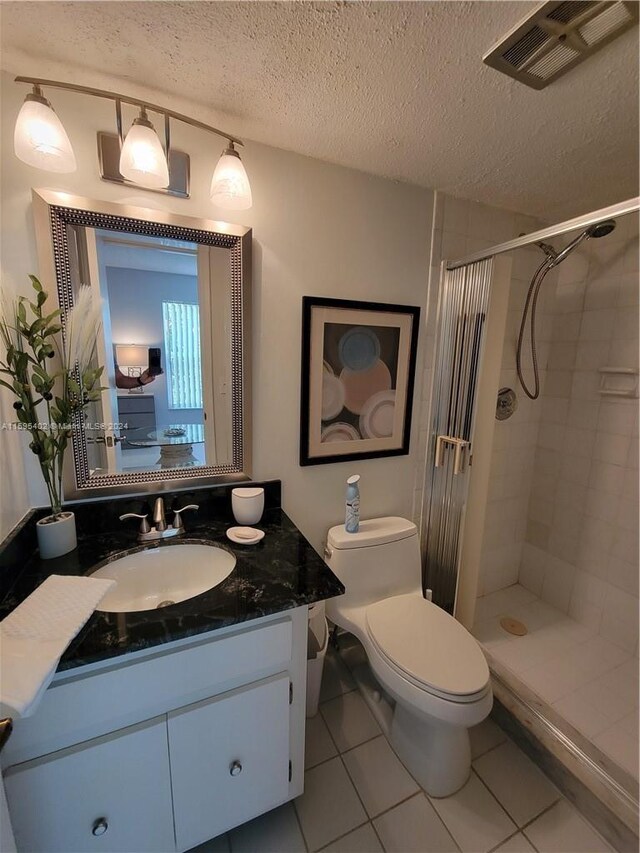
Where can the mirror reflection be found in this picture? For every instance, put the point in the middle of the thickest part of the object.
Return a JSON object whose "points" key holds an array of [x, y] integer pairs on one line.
{"points": [[165, 346]]}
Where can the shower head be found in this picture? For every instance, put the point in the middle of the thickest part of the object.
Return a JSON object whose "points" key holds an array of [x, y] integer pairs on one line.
{"points": [[600, 229]]}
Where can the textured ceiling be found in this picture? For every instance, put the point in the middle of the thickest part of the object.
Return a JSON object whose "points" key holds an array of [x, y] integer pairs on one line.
{"points": [[392, 88]]}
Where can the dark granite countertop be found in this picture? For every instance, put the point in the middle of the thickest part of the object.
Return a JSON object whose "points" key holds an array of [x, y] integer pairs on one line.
{"points": [[281, 572]]}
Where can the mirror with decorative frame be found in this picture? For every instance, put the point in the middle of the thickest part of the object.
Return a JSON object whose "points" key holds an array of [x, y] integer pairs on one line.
{"points": [[174, 342]]}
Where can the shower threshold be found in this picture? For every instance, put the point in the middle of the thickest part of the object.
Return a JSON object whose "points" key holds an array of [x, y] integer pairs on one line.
{"points": [[575, 692]]}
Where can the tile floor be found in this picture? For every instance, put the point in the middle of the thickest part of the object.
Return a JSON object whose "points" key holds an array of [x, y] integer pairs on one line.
{"points": [[359, 798], [590, 682]]}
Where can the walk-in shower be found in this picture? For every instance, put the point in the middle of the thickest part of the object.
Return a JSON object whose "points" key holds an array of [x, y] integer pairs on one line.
{"points": [[530, 515], [552, 259]]}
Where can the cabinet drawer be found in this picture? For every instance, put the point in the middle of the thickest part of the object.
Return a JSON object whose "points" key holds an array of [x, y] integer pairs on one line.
{"points": [[120, 780], [81, 708], [229, 759], [139, 403]]}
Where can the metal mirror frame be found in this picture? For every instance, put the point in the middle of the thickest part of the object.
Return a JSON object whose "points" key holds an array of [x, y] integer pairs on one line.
{"points": [[53, 211]]}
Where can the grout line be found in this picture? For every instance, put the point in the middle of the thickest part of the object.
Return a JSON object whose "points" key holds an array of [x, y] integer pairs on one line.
{"points": [[377, 835], [299, 822], [491, 748], [473, 770], [340, 837]]}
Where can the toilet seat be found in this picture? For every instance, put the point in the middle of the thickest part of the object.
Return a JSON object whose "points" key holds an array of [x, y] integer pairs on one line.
{"points": [[428, 647]]}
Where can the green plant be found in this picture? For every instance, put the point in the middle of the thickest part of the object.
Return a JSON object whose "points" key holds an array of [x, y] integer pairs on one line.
{"points": [[61, 388]]}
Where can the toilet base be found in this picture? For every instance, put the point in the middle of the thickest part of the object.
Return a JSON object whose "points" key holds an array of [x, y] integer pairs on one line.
{"points": [[437, 755]]}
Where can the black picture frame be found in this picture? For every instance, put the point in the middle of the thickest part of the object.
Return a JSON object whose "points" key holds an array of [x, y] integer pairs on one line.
{"points": [[316, 452]]}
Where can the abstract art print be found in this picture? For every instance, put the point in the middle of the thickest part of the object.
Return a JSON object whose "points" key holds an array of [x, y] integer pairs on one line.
{"points": [[358, 367]]}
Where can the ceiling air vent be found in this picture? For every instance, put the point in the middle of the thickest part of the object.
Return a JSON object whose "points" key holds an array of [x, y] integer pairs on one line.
{"points": [[557, 36]]}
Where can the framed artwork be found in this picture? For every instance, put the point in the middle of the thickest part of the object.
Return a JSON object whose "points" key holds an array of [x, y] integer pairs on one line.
{"points": [[358, 370]]}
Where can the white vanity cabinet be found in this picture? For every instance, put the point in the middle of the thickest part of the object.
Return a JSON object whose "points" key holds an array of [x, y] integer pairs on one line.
{"points": [[229, 759], [166, 750], [111, 795]]}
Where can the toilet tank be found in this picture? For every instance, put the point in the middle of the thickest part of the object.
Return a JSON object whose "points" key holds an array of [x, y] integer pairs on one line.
{"points": [[380, 560]]}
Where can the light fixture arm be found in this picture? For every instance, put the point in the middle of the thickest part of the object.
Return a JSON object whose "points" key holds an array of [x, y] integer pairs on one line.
{"points": [[136, 102]]}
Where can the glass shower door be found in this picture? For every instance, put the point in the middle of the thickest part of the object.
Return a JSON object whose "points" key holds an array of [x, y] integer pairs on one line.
{"points": [[462, 314]]}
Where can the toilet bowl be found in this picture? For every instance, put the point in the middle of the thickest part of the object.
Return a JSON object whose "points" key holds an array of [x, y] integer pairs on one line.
{"points": [[426, 661]]}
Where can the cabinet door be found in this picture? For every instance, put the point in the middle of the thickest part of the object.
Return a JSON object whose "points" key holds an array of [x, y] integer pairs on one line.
{"points": [[229, 759], [109, 795]]}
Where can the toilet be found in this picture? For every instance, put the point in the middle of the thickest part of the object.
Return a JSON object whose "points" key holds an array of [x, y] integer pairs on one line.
{"points": [[432, 670]]}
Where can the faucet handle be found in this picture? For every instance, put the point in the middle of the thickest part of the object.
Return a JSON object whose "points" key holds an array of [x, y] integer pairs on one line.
{"points": [[177, 517], [144, 524]]}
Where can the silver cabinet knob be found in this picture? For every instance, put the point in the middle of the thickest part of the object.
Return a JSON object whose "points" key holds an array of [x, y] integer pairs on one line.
{"points": [[235, 768], [100, 826]]}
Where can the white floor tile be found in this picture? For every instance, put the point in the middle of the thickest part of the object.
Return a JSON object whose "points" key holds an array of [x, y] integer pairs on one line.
{"points": [[484, 737], [318, 742], [336, 678], [489, 632], [611, 705], [362, 840], [276, 831], [620, 745], [330, 806], [521, 788], [556, 678], [379, 776], [516, 844], [220, 844], [563, 830], [503, 600], [349, 720], [474, 818], [583, 717], [414, 827]]}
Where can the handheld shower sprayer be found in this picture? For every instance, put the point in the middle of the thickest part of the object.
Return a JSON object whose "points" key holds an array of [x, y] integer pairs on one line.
{"points": [[552, 259]]}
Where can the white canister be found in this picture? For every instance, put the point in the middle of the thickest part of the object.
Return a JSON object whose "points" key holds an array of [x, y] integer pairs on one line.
{"points": [[247, 505], [56, 535]]}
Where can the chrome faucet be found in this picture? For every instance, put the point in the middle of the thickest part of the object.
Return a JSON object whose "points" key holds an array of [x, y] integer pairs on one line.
{"points": [[160, 529]]}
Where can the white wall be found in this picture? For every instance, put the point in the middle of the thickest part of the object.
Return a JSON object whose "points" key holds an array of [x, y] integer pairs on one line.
{"points": [[318, 230]]}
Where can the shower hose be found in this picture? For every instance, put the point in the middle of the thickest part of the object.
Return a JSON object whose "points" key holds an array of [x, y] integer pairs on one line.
{"points": [[531, 304]]}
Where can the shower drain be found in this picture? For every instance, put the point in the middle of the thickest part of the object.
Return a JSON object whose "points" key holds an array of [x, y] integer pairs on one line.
{"points": [[514, 626]]}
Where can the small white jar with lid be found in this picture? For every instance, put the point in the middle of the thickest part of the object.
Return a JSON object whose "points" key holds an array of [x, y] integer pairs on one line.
{"points": [[247, 504]]}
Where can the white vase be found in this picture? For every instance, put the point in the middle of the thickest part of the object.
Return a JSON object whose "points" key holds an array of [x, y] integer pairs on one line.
{"points": [[56, 535]]}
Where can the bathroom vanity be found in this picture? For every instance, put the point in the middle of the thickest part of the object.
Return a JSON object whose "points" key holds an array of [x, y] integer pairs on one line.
{"points": [[164, 728]]}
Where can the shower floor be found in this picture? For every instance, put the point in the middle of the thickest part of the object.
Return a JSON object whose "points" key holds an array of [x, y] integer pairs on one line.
{"points": [[590, 682]]}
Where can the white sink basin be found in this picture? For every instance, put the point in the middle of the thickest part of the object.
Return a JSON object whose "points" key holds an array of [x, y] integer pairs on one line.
{"points": [[156, 577]]}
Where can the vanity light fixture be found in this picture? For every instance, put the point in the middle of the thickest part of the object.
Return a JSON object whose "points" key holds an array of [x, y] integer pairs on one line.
{"points": [[39, 138], [138, 158], [230, 185], [142, 160]]}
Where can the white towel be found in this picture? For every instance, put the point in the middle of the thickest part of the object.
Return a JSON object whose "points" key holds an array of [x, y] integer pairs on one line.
{"points": [[34, 636]]}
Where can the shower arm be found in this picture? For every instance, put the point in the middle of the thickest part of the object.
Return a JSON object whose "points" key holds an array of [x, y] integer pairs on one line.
{"points": [[615, 211]]}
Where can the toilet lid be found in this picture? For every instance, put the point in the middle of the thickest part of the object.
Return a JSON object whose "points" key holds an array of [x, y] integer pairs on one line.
{"points": [[428, 644]]}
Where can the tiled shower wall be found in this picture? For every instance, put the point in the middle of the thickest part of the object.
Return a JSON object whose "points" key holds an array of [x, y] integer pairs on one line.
{"points": [[581, 549]]}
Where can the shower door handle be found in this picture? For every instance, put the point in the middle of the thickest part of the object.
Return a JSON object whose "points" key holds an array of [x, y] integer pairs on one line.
{"points": [[460, 446]]}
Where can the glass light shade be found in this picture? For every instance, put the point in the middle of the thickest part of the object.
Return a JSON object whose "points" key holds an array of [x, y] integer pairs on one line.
{"points": [[230, 187], [39, 138], [142, 159], [131, 355]]}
